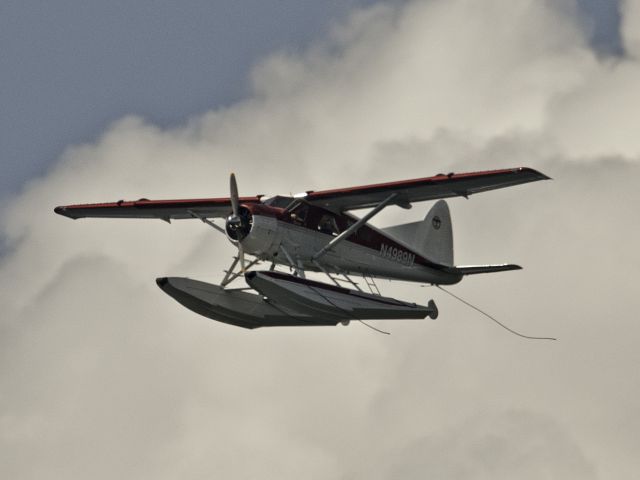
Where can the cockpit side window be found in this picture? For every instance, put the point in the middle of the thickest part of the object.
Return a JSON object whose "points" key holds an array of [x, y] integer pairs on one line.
{"points": [[328, 225], [299, 214]]}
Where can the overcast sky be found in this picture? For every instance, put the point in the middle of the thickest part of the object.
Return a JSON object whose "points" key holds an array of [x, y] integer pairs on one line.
{"points": [[102, 375]]}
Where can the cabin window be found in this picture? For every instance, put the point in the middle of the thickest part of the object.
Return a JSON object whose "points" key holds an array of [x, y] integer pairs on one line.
{"points": [[328, 225], [299, 215]]}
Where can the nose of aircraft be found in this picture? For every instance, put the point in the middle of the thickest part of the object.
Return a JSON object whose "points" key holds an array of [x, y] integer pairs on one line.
{"points": [[162, 281]]}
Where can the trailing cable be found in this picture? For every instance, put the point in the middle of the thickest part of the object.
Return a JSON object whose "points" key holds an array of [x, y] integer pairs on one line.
{"points": [[372, 327], [336, 306], [491, 318]]}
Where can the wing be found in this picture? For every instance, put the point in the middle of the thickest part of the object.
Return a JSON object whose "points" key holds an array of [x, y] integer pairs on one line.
{"points": [[421, 189], [162, 209]]}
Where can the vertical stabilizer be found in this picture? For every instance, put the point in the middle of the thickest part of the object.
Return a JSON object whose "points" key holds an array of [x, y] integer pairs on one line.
{"points": [[434, 236]]}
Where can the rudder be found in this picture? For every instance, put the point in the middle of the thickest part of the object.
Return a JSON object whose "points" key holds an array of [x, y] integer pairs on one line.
{"points": [[434, 236]]}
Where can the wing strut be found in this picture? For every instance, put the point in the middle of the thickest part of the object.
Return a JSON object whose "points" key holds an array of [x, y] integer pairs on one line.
{"points": [[343, 236], [297, 267], [207, 221]]}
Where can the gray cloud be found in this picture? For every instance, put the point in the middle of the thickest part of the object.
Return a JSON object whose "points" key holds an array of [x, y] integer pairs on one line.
{"points": [[103, 375], [494, 445]]}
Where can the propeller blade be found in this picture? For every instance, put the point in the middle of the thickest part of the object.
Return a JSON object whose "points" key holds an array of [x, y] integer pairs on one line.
{"points": [[235, 201], [237, 222]]}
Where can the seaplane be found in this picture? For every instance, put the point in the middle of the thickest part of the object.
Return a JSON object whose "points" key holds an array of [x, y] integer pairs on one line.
{"points": [[316, 231]]}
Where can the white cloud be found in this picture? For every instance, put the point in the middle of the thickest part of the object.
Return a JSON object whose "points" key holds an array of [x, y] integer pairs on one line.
{"points": [[103, 375], [631, 27]]}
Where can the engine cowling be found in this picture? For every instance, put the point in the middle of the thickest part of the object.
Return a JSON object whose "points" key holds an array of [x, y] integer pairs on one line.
{"points": [[256, 227]]}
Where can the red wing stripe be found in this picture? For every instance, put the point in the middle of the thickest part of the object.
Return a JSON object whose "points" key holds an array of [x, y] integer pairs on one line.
{"points": [[143, 208], [214, 202], [420, 181]]}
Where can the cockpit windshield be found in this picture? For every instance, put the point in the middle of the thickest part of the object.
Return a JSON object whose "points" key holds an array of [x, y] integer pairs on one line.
{"points": [[278, 201], [299, 214], [319, 219]]}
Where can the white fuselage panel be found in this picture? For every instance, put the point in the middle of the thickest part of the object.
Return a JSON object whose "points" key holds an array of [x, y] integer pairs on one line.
{"points": [[270, 238]]}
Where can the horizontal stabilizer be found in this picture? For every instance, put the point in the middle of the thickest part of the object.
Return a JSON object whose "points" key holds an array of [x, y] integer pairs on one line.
{"points": [[474, 269]]}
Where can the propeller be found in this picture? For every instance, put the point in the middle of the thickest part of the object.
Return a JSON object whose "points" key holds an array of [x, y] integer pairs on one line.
{"points": [[236, 227], [235, 199]]}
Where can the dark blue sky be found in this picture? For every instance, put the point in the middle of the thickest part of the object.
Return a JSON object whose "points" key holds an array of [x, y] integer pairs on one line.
{"points": [[70, 67]]}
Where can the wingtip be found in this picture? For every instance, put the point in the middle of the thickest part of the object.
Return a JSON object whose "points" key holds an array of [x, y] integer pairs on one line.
{"points": [[537, 173], [509, 267], [64, 211], [60, 210]]}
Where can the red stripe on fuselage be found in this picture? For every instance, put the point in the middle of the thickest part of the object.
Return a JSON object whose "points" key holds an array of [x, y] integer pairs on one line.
{"points": [[366, 236]]}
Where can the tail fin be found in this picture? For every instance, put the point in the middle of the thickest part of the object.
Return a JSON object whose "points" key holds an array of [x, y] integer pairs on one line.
{"points": [[432, 237]]}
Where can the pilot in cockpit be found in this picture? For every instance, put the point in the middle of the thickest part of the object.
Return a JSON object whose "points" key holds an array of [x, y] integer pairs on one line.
{"points": [[328, 225]]}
